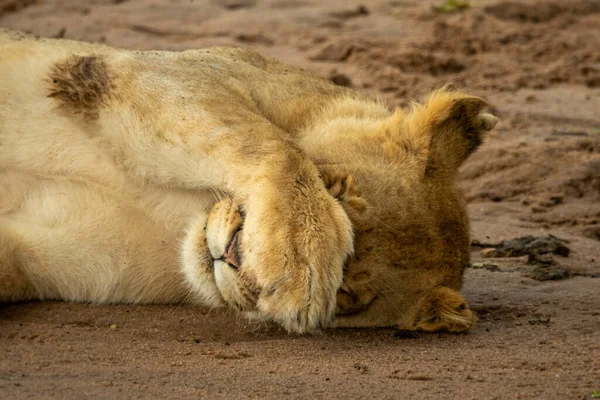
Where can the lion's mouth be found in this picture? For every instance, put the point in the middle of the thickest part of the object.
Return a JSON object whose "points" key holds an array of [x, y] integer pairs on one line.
{"points": [[232, 252]]}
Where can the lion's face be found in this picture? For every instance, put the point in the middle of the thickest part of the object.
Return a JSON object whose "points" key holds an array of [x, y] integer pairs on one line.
{"points": [[396, 181], [411, 247]]}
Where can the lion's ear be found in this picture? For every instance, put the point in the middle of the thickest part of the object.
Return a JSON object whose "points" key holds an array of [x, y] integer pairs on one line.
{"points": [[444, 130], [444, 309], [458, 130], [342, 186]]}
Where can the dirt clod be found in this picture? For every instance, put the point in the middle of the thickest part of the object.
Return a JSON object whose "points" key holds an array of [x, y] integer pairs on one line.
{"points": [[530, 246], [548, 273], [363, 369]]}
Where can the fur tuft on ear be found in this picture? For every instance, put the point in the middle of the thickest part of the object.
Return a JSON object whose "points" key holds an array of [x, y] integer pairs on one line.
{"points": [[444, 309], [444, 130]]}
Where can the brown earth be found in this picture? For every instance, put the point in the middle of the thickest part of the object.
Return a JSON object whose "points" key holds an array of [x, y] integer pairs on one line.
{"points": [[537, 62]]}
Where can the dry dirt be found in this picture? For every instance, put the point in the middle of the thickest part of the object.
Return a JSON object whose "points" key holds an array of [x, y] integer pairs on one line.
{"points": [[537, 62]]}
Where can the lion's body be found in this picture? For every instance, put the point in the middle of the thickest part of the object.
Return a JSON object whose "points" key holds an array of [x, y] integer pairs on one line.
{"points": [[65, 184], [101, 234], [109, 160]]}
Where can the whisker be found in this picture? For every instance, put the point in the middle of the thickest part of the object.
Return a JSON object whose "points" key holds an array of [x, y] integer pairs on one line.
{"points": [[383, 283], [183, 301], [394, 306]]}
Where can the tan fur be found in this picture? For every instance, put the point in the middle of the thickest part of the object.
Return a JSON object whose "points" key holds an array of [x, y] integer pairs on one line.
{"points": [[111, 161]]}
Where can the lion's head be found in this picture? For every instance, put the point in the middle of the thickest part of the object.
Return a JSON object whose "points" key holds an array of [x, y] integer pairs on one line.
{"points": [[395, 176]]}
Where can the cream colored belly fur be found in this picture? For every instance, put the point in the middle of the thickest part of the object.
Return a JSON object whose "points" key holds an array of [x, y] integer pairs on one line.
{"points": [[81, 241]]}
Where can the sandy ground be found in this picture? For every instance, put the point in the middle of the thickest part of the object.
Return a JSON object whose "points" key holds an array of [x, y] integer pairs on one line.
{"points": [[537, 62]]}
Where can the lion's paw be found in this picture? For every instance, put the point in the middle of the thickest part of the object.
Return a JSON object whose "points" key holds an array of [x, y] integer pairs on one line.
{"points": [[295, 254], [284, 264]]}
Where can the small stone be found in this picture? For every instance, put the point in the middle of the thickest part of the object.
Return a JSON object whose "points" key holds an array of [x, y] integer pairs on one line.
{"points": [[486, 265]]}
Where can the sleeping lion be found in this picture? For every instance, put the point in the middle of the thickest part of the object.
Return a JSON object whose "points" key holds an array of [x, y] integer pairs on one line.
{"points": [[225, 178]]}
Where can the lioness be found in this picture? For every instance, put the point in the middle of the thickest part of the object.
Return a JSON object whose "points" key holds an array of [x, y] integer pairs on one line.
{"points": [[223, 177]]}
